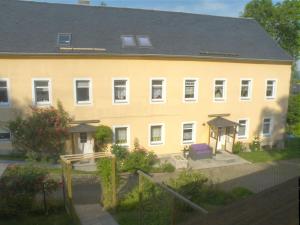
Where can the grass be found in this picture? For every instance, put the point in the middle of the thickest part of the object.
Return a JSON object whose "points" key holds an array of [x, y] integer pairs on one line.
{"points": [[15, 157], [270, 155]]}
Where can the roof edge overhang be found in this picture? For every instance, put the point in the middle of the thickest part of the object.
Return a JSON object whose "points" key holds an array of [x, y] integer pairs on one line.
{"points": [[150, 56]]}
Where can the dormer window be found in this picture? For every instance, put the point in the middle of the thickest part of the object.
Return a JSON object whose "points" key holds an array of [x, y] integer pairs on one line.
{"points": [[128, 41], [64, 39], [144, 41]]}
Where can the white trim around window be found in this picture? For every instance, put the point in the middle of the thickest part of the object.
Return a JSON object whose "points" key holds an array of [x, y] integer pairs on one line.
{"points": [[224, 97], [162, 141], [196, 88], [193, 140], [164, 91], [274, 89], [127, 86], [34, 100], [246, 98], [269, 133], [83, 103], [6, 104], [127, 144], [247, 125], [3, 133]]}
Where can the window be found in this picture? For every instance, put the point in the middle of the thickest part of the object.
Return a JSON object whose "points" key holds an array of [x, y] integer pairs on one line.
{"points": [[128, 41], [156, 134], [243, 128], [188, 133], [121, 135], [266, 129], [83, 91], [41, 92], [157, 90], [120, 91], [4, 134], [220, 90], [144, 41], [83, 137], [271, 89], [190, 90], [4, 100], [246, 89], [64, 39]]}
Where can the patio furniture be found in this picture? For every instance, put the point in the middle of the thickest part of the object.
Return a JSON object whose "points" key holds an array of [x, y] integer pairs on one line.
{"points": [[200, 151]]}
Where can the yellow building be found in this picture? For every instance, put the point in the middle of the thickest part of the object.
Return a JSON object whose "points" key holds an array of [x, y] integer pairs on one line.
{"points": [[167, 79]]}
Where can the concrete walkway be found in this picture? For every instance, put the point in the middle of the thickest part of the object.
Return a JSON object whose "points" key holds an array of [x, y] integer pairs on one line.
{"points": [[3, 167]]}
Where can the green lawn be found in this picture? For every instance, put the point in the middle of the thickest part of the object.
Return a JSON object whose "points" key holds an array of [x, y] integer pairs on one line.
{"points": [[270, 155]]}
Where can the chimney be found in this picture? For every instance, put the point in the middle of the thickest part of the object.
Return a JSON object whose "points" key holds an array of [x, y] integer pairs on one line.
{"points": [[83, 2]]}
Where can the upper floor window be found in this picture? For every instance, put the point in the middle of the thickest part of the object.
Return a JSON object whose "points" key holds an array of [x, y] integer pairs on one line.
{"points": [[271, 89], [41, 92], [158, 91], [246, 88], [243, 128], [83, 91], [4, 100], [64, 39], [267, 126], [128, 41], [156, 134], [190, 90], [188, 133], [120, 91], [4, 134], [220, 90], [121, 135], [144, 41]]}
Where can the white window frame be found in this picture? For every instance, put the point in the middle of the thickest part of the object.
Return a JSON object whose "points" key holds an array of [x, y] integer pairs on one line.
{"points": [[249, 91], [6, 140], [274, 89], [157, 143], [195, 99], [271, 127], [83, 103], [246, 128], [194, 130], [127, 144], [120, 102], [34, 102], [164, 92], [8, 92], [225, 90]]}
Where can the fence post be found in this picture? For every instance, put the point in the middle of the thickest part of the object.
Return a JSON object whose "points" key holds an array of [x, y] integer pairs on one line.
{"points": [[173, 208], [141, 189], [113, 181], [69, 180]]}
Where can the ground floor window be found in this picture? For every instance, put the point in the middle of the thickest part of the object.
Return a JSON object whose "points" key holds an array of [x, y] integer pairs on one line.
{"points": [[266, 128], [156, 134], [4, 135], [188, 133], [243, 128], [83, 137], [121, 135]]}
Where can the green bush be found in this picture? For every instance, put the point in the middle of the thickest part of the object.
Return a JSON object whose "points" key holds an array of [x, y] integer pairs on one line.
{"points": [[167, 167], [238, 147], [240, 192], [119, 151], [293, 143], [255, 145], [19, 186], [103, 137]]}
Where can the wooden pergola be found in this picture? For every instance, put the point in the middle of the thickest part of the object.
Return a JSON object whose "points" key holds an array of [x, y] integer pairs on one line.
{"points": [[67, 162]]}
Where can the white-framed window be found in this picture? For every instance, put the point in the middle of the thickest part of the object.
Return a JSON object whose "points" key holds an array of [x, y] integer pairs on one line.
{"points": [[243, 128], [267, 126], [158, 90], [156, 134], [41, 91], [4, 92], [188, 132], [190, 90], [4, 134], [121, 135], [220, 90], [271, 88], [83, 91], [246, 89], [120, 90]]}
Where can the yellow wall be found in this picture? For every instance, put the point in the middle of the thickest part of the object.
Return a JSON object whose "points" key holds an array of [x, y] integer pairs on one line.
{"points": [[139, 113]]}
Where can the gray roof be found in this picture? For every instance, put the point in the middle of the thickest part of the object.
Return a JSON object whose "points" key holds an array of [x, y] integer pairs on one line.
{"points": [[221, 122], [32, 28], [82, 128]]}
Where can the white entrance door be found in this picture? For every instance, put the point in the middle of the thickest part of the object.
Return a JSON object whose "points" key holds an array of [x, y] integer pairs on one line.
{"points": [[221, 138], [85, 143]]}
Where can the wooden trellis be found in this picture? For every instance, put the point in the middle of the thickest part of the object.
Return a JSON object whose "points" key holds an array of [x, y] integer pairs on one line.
{"points": [[68, 160]]}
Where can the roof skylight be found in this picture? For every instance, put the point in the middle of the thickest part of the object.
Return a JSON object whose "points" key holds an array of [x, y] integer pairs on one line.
{"points": [[64, 39], [128, 41], [144, 41]]}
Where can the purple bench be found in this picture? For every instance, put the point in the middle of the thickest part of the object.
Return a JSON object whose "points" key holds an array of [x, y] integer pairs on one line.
{"points": [[200, 151]]}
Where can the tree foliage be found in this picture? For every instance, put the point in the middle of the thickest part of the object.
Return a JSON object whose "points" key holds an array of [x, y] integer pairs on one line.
{"points": [[293, 117], [280, 20], [42, 134], [103, 137]]}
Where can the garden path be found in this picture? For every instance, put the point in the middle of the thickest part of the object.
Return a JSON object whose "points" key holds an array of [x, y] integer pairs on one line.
{"points": [[3, 167]]}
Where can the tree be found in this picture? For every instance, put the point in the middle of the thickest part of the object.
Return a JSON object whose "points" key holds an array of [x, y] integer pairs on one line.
{"points": [[293, 117], [42, 135], [103, 136]]}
